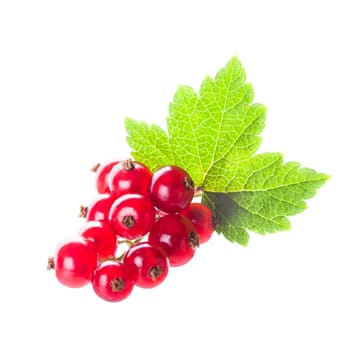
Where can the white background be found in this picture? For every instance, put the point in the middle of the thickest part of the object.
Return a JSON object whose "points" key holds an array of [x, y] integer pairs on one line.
{"points": [[70, 71]]}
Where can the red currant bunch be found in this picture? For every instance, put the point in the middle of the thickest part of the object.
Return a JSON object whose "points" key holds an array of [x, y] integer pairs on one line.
{"points": [[152, 215]]}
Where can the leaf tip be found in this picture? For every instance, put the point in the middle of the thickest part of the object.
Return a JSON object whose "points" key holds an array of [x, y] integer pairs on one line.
{"points": [[129, 123], [326, 177]]}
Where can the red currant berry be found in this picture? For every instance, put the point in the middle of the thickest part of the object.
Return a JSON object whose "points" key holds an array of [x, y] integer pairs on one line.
{"points": [[171, 189], [132, 216], [129, 177], [111, 281], [147, 264], [102, 236], [74, 262], [202, 218], [102, 174], [98, 210], [176, 236]]}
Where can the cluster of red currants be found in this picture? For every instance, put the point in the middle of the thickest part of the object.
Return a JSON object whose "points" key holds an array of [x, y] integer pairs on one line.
{"points": [[153, 214]]}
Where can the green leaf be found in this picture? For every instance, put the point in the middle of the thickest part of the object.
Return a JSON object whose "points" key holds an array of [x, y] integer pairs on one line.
{"points": [[203, 129], [214, 135], [150, 143], [261, 203]]}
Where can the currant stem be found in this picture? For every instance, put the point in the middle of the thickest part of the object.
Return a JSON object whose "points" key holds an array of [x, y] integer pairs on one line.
{"points": [[198, 192], [129, 242], [120, 257], [110, 258]]}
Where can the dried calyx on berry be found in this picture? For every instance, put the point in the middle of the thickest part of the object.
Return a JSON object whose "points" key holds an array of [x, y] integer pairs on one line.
{"points": [[129, 176]]}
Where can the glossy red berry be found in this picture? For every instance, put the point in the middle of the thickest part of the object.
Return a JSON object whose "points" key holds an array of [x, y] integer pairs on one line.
{"points": [[132, 216], [98, 210], [74, 262], [202, 218], [111, 281], [147, 264], [129, 177], [102, 236], [102, 174], [171, 189], [176, 236]]}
